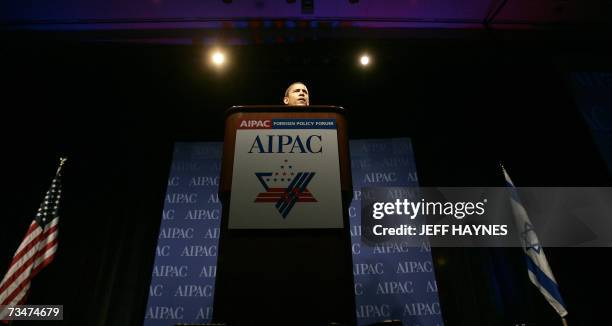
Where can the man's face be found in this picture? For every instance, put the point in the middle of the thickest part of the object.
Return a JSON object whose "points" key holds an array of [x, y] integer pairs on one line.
{"points": [[297, 95]]}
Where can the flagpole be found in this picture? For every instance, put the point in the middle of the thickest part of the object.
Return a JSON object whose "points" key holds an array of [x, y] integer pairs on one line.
{"points": [[564, 321]]}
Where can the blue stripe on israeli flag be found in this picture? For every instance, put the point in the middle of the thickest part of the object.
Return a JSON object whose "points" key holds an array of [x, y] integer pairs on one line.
{"points": [[547, 284], [538, 268]]}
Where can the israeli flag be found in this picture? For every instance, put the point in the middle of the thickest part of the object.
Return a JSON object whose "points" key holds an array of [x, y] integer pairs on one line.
{"points": [[538, 269]]}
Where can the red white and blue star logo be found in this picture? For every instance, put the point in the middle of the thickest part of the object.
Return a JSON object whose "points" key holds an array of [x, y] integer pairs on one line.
{"points": [[285, 187]]}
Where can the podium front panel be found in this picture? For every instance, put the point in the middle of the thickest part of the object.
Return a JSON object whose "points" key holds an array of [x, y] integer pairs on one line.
{"points": [[286, 175], [280, 261]]}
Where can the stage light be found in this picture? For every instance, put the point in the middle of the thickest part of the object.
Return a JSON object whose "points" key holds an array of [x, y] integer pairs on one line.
{"points": [[218, 58], [364, 60]]}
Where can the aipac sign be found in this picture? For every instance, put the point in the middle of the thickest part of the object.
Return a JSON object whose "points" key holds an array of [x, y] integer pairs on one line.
{"points": [[286, 175]]}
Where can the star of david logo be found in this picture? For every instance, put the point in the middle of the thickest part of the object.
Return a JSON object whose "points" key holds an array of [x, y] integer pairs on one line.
{"points": [[530, 239], [285, 188]]}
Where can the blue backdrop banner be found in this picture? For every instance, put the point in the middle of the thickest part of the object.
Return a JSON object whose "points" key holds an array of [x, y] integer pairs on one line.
{"points": [[182, 285], [392, 280]]}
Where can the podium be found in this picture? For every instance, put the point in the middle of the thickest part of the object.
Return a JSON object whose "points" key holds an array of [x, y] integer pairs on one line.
{"points": [[284, 253]]}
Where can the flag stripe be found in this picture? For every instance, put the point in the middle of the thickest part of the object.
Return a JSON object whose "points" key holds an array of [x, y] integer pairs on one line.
{"points": [[33, 248], [556, 305], [27, 245], [31, 262], [274, 200], [42, 259], [45, 252], [29, 235], [39, 235], [45, 260], [278, 195], [544, 281], [16, 289], [15, 280], [18, 300], [11, 281], [31, 238]]}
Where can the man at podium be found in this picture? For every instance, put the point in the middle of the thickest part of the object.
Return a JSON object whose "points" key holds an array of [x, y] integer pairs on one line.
{"points": [[296, 94]]}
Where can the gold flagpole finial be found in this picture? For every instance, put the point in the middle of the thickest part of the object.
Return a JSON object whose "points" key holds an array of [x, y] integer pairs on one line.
{"points": [[61, 164]]}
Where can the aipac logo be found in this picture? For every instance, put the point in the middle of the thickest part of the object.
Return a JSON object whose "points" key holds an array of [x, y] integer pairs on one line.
{"points": [[285, 187]]}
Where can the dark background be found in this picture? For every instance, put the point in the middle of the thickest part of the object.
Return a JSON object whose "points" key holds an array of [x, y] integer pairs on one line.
{"points": [[115, 109]]}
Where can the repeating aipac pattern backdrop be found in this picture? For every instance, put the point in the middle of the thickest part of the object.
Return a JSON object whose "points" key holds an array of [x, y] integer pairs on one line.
{"points": [[392, 280]]}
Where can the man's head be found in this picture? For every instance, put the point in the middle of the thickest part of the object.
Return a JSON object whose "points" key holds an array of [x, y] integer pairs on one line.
{"points": [[296, 94]]}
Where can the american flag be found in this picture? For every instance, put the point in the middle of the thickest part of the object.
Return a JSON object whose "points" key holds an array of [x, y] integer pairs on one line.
{"points": [[37, 249]]}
